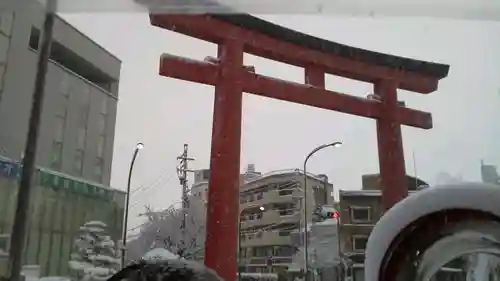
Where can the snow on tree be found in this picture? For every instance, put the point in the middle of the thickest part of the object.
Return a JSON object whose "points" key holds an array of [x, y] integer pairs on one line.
{"points": [[159, 254], [323, 252], [163, 230], [94, 256]]}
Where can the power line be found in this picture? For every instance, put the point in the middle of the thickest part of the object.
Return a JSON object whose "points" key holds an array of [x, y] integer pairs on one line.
{"points": [[160, 182], [161, 175]]}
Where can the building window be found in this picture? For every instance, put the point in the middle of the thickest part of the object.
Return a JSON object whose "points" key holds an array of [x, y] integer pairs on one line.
{"points": [[78, 164], [80, 138], [284, 251], [260, 195], [34, 38], [62, 108], [56, 161], [283, 233], [285, 192], [2, 72], [206, 175], [64, 87], [83, 116], [102, 125], [104, 106], [98, 169], [359, 243], [59, 129], [360, 214], [4, 48], [288, 212], [6, 21], [101, 142]]}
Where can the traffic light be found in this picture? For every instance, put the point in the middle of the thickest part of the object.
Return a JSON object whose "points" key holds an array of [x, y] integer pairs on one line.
{"points": [[332, 215], [326, 212]]}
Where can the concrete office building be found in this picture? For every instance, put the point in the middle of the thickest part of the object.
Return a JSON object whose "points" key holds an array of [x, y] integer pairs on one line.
{"points": [[75, 147], [81, 93]]}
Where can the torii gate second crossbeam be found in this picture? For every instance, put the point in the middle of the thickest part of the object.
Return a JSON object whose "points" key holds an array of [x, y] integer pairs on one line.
{"points": [[239, 33]]}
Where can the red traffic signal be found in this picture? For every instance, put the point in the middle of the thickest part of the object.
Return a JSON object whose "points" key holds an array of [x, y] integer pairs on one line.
{"points": [[333, 215]]}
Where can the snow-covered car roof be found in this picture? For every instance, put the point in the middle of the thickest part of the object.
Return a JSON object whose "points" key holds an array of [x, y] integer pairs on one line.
{"points": [[166, 270]]}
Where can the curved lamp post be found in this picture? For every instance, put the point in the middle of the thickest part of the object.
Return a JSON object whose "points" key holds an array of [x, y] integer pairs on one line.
{"points": [[138, 147], [306, 238]]}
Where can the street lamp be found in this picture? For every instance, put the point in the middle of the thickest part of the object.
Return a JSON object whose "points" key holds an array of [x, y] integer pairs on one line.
{"points": [[138, 147], [261, 208], [306, 240]]}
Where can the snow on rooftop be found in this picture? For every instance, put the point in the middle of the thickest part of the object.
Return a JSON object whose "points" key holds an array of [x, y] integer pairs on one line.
{"points": [[374, 193], [284, 172]]}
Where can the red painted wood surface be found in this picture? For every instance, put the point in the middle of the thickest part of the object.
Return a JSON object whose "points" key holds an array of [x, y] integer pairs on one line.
{"points": [[230, 78], [254, 83], [212, 30], [390, 146], [223, 194]]}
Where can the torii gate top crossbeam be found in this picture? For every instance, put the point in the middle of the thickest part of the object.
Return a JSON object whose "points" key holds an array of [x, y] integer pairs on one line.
{"points": [[278, 43], [236, 34]]}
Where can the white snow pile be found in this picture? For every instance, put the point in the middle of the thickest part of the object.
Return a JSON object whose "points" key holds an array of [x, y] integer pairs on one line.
{"points": [[159, 254], [167, 270], [94, 255]]}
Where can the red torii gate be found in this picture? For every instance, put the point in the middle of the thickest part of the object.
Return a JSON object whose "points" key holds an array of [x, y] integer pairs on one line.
{"points": [[239, 33]]}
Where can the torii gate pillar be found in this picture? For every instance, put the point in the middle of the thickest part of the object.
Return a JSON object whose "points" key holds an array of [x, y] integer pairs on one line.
{"points": [[239, 33]]}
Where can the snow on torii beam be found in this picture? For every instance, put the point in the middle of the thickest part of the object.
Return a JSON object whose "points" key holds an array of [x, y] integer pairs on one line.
{"points": [[240, 33]]}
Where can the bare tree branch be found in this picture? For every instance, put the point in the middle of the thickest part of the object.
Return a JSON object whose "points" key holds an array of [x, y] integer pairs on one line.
{"points": [[163, 230]]}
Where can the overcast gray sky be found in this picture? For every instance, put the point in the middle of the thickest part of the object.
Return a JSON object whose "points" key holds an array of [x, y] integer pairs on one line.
{"points": [[165, 113]]}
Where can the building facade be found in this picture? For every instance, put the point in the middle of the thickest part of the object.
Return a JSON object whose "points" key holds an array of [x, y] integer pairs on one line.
{"points": [[75, 142], [81, 92], [271, 210], [489, 174], [60, 204], [359, 211], [271, 207]]}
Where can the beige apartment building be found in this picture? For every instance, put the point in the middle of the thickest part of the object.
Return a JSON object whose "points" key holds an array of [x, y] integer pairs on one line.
{"points": [[272, 207]]}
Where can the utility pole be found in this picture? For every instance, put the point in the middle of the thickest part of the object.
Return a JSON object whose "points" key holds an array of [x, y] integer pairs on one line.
{"points": [[182, 170], [29, 160]]}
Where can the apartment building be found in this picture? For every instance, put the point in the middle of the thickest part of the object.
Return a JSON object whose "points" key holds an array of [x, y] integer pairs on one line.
{"points": [[489, 174], [271, 208], [81, 93], [199, 188], [359, 211]]}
